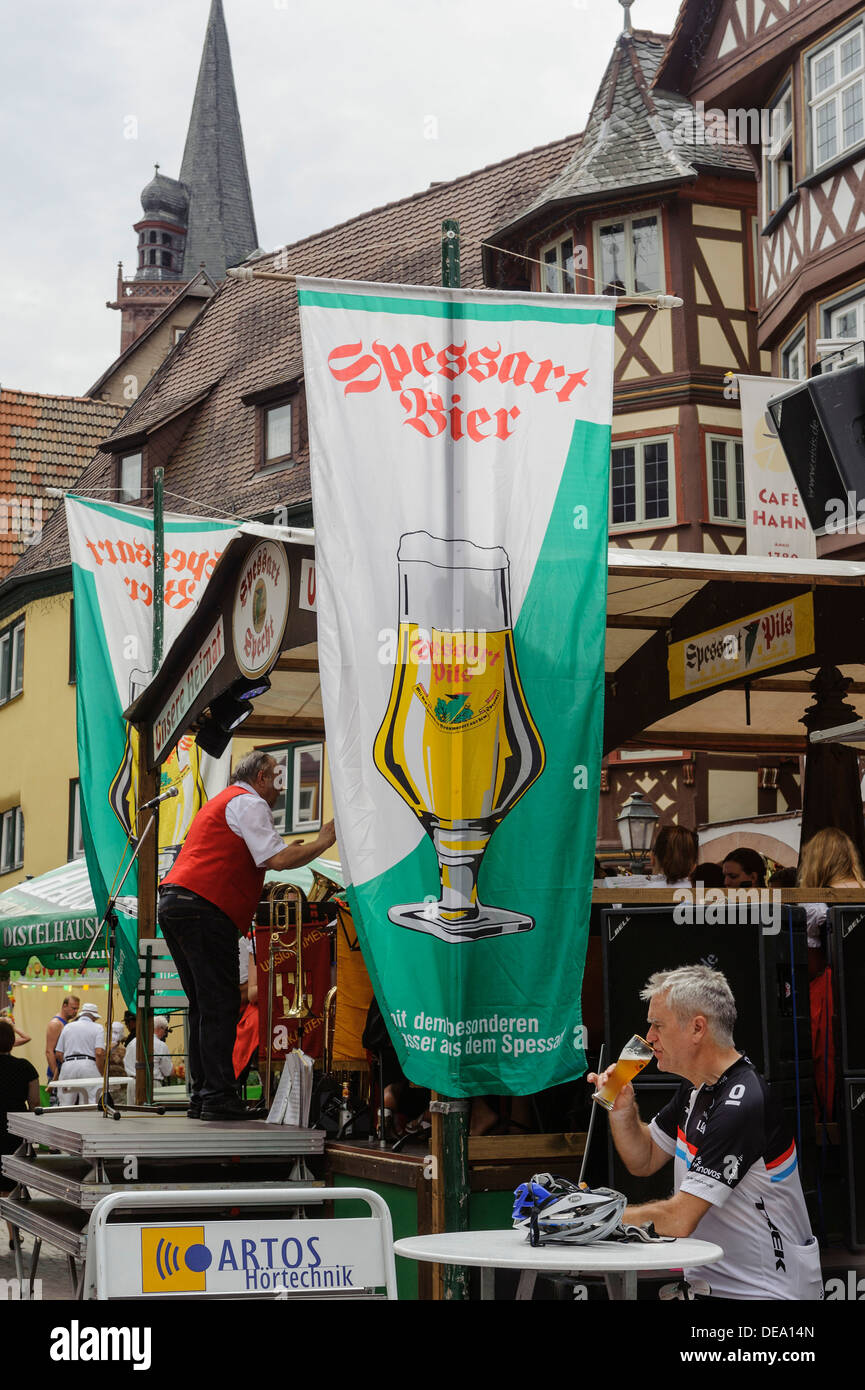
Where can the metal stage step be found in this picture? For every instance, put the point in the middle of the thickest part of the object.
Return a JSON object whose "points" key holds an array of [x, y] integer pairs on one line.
{"points": [[56, 1223], [91, 1134], [76, 1181]]}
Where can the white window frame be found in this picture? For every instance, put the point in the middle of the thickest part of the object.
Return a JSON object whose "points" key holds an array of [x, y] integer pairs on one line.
{"points": [[842, 304], [834, 92], [76, 836], [278, 460], [641, 521], [794, 354], [731, 443], [11, 840], [628, 222], [130, 492], [291, 817], [12, 661], [778, 175], [556, 269]]}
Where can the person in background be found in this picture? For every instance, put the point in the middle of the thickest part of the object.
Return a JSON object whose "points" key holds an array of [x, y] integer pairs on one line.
{"points": [[130, 1023], [163, 1067], [19, 1090], [674, 855], [783, 878], [68, 1011], [744, 868], [82, 1045], [710, 875], [829, 860], [20, 1038], [118, 1051]]}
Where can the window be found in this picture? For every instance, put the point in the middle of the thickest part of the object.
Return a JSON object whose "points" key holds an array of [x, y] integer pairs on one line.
{"points": [[836, 77], [628, 254], [557, 276], [72, 673], [166, 259], [641, 483], [153, 236], [726, 480], [778, 153], [166, 239], [300, 770], [130, 478], [152, 256], [845, 318], [12, 661], [75, 848], [11, 840], [793, 361], [277, 433], [178, 334]]}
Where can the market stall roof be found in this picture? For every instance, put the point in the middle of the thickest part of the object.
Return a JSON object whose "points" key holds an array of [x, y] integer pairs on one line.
{"points": [[54, 917], [657, 600]]}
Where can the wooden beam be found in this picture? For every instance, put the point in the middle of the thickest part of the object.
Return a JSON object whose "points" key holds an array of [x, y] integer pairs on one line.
{"points": [[706, 741], [794, 687], [274, 725], [637, 622], [298, 663]]}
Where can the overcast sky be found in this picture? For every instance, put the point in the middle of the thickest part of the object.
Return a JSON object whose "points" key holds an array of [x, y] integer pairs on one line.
{"points": [[335, 99]]}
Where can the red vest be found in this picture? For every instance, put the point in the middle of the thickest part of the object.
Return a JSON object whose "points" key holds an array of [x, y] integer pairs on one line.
{"points": [[216, 864]]}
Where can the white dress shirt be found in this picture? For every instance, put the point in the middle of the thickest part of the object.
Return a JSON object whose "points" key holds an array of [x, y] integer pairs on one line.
{"points": [[162, 1063], [250, 817]]}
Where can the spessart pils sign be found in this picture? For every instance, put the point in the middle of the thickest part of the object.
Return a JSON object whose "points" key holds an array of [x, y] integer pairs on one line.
{"points": [[459, 446], [754, 643]]}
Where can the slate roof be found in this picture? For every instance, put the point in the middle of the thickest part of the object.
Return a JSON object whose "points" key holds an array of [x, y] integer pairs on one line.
{"points": [[637, 136], [248, 338], [45, 441], [221, 227]]}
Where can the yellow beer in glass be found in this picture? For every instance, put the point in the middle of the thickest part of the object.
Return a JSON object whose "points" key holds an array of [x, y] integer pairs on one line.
{"points": [[635, 1055], [457, 741]]}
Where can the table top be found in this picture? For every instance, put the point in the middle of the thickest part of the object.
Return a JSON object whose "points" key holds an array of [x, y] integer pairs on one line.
{"points": [[511, 1250]]}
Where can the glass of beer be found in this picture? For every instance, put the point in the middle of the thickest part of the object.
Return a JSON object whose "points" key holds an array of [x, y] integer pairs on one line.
{"points": [[635, 1055], [457, 742]]}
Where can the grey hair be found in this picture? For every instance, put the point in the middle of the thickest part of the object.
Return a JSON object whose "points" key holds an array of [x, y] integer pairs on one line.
{"points": [[695, 989], [250, 765]]}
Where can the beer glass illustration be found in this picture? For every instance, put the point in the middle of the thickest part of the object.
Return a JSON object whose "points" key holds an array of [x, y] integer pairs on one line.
{"points": [[457, 742], [635, 1055]]}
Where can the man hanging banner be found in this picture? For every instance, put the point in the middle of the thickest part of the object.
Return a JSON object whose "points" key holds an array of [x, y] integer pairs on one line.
{"points": [[460, 445], [776, 522], [112, 574]]}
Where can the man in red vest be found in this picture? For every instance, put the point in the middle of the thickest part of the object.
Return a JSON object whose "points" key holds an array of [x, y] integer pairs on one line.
{"points": [[209, 896]]}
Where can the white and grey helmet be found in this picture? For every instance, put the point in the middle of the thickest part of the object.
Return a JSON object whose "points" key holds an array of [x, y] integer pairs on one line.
{"points": [[555, 1209]]}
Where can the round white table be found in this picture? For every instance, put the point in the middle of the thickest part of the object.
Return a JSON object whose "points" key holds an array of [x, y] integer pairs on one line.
{"points": [[620, 1264]]}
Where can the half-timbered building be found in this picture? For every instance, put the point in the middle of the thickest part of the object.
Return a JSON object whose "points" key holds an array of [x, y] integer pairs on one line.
{"points": [[791, 77]]}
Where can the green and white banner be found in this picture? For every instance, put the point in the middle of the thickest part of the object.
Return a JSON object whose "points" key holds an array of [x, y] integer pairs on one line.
{"points": [[460, 445], [112, 574]]}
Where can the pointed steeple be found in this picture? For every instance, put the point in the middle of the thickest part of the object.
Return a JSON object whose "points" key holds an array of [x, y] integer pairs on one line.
{"points": [[221, 229]]}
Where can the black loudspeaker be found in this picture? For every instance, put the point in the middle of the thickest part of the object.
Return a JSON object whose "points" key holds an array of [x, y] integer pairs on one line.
{"points": [[765, 965], [650, 1099], [821, 426], [853, 1102], [847, 949]]}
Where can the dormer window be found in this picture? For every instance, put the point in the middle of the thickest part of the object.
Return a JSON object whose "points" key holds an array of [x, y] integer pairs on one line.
{"points": [[277, 434], [130, 477], [557, 274], [628, 255]]}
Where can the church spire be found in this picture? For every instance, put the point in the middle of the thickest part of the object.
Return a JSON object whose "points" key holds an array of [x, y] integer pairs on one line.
{"points": [[221, 230]]}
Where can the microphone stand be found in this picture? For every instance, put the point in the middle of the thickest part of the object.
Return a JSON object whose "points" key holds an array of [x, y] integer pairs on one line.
{"points": [[105, 1103]]}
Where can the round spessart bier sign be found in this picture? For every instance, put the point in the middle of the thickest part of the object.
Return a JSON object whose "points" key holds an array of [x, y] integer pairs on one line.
{"points": [[260, 608]]}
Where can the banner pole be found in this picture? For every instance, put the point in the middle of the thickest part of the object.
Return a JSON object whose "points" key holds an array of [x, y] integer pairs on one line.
{"points": [[148, 787], [452, 1130]]}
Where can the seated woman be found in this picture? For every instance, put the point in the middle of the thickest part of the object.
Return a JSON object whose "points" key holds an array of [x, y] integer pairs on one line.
{"points": [[674, 856]]}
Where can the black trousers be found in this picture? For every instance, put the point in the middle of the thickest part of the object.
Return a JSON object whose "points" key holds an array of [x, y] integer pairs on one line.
{"points": [[203, 942]]}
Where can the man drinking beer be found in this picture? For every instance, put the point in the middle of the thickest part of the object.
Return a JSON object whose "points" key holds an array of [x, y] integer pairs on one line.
{"points": [[736, 1180]]}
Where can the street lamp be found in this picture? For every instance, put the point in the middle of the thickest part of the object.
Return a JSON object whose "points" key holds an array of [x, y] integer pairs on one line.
{"points": [[637, 824]]}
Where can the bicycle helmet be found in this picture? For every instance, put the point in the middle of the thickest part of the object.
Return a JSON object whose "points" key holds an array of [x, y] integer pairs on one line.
{"points": [[554, 1209]]}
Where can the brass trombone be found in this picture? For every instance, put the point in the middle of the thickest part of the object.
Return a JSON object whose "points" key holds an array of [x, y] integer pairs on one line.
{"points": [[279, 899], [323, 888]]}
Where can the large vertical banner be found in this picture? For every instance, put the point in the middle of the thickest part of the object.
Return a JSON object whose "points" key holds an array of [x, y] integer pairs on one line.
{"points": [[460, 445], [112, 575], [776, 522]]}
